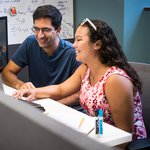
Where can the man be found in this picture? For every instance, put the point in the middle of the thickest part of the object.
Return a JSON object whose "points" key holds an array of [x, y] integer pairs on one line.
{"points": [[50, 59]]}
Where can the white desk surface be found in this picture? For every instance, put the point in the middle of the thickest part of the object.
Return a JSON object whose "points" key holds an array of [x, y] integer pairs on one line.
{"points": [[112, 136]]}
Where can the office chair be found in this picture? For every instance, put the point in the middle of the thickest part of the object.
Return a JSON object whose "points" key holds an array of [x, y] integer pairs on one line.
{"points": [[143, 71]]}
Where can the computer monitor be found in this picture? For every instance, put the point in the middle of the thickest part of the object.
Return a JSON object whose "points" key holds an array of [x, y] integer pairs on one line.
{"points": [[23, 127], [3, 42]]}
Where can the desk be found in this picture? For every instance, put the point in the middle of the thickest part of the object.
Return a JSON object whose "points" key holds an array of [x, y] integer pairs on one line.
{"points": [[112, 136]]}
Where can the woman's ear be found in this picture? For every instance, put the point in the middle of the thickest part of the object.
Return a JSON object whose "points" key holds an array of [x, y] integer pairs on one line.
{"points": [[98, 44]]}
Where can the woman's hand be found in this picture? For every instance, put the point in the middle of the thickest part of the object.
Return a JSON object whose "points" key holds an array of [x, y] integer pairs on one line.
{"points": [[26, 94]]}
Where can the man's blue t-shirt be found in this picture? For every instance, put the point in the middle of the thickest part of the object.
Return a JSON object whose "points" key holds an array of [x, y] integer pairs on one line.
{"points": [[43, 69]]}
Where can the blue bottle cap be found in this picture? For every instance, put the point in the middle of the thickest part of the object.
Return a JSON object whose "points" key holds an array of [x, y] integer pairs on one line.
{"points": [[101, 113]]}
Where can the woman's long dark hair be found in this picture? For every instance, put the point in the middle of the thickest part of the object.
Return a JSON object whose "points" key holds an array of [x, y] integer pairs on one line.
{"points": [[111, 52]]}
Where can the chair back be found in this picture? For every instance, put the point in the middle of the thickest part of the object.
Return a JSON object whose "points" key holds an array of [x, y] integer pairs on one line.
{"points": [[143, 71]]}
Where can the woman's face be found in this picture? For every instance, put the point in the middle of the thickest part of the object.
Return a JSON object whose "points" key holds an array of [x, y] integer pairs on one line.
{"points": [[83, 46]]}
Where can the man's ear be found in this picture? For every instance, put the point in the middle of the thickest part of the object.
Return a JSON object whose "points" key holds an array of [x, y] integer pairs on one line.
{"points": [[98, 44], [58, 30]]}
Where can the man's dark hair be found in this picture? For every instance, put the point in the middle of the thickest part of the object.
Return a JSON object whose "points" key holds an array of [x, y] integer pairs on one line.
{"points": [[48, 11]]}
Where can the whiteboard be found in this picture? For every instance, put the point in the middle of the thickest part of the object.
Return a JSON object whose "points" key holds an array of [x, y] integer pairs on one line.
{"points": [[19, 25]]}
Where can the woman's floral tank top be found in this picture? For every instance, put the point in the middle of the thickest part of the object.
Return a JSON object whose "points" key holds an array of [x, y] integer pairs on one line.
{"points": [[93, 98]]}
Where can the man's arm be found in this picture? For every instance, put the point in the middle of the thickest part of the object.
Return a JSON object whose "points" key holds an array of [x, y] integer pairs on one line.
{"points": [[9, 76]]}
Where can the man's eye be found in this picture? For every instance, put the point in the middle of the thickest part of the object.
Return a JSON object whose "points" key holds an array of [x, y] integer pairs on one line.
{"points": [[36, 29], [46, 29]]}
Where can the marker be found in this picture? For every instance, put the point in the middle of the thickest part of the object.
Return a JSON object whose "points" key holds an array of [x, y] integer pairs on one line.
{"points": [[96, 124], [100, 122]]}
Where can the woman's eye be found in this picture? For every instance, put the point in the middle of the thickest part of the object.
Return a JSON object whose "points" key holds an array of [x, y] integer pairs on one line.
{"points": [[78, 39]]}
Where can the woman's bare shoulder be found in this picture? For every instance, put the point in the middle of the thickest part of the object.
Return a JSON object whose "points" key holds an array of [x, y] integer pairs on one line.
{"points": [[82, 69]]}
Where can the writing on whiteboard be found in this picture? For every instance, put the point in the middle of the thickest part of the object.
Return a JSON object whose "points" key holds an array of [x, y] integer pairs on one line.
{"points": [[19, 25]]}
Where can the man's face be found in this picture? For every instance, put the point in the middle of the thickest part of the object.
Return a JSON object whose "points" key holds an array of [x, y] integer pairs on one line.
{"points": [[44, 32]]}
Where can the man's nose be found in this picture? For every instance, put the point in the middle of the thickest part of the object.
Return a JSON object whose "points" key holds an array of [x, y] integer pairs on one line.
{"points": [[40, 34]]}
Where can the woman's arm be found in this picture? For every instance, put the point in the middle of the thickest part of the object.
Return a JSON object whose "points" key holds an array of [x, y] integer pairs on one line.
{"points": [[119, 92], [68, 87]]}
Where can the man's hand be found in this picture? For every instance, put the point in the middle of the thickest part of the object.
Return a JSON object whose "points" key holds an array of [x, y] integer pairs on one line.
{"points": [[27, 85]]}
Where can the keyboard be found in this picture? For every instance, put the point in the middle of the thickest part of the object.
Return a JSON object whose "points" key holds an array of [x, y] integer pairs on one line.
{"points": [[38, 106]]}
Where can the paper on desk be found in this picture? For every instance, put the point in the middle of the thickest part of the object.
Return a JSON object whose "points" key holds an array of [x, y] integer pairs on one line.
{"points": [[68, 116], [8, 90], [73, 121]]}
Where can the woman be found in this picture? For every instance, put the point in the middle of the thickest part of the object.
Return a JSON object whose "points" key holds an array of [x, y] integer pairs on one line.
{"points": [[105, 79]]}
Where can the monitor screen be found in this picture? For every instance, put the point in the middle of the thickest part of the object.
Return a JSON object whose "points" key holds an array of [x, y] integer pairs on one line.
{"points": [[3, 42]]}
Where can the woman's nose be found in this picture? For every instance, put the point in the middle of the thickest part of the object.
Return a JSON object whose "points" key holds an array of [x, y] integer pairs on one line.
{"points": [[74, 44]]}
